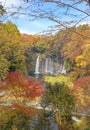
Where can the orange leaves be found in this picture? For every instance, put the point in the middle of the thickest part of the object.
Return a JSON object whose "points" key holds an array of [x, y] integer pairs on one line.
{"points": [[21, 87], [27, 39], [19, 91], [77, 52], [29, 111], [75, 46], [34, 91], [81, 90], [16, 78], [83, 83]]}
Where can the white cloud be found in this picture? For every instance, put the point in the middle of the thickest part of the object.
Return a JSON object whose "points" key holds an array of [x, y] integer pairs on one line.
{"points": [[85, 22], [26, 31]]}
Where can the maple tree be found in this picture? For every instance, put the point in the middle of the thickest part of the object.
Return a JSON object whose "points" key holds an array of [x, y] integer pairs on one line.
{"points": [[18, 52], [82, 62], [20, 89], [29, 40], [74, 46], [17, 91], [81, 90]]}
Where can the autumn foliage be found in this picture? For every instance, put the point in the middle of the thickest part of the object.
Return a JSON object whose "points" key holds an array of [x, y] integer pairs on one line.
{"points": [[20, 90], [20, 82], [29, 111], [81, 90]]}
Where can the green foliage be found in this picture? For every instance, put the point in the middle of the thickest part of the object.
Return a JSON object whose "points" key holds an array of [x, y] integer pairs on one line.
{"points": [[83, 124], [13, 118], [73, 47], [16, 58], [11, 50], [40, 48], [12, 30], [83, 27], [59, 79], [30, 60], [58, 92], [4, 66], [68, 65]]}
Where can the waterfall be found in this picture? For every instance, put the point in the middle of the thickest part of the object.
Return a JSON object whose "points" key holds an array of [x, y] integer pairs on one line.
{"points": [[37, 66], [46, 65], [49, 65], [63, 70]]}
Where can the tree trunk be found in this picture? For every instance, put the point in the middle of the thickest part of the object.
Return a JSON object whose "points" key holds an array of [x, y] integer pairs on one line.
{"points": [[58, 119]]}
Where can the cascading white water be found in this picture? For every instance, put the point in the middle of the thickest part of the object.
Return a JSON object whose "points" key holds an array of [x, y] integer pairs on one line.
{"points": [[46, 65], [49, 65], [63, 70], [37, 66]]}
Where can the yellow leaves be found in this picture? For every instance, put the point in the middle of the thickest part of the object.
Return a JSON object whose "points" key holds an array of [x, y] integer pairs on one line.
{"points": [[86, 46], [81, 91], [37, 100], [80, 99], [83, 60], [58, 79], [87, 41], [80, 62], [74, 75], [86, 54]]}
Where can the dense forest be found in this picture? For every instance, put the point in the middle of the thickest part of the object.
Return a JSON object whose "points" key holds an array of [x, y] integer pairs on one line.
{"points": [[68, 94]]}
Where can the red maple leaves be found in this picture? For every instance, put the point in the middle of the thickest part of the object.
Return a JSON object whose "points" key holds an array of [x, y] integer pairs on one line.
{"points": [[28, 87], [81, 90], [20, 90]]}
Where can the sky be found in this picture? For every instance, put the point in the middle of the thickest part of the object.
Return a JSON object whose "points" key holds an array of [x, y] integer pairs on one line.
{"points": [[28, 25], [23, 23]]}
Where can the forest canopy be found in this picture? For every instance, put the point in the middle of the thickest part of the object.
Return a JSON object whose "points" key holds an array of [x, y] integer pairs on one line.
{"points": [[67, 93]]}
